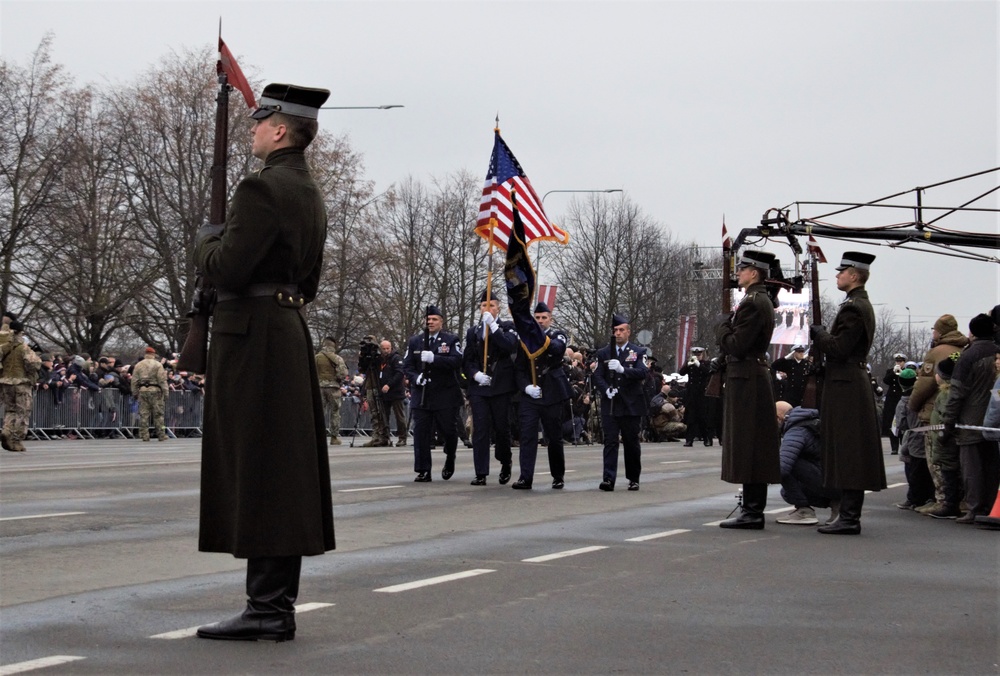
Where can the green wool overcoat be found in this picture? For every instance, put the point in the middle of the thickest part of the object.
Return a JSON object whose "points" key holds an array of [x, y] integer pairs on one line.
{"points": [[265, 483]]}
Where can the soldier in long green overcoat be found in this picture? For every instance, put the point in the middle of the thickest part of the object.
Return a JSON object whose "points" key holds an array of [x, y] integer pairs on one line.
{"points": [[265, 488], [750, 441], [849, 429]]}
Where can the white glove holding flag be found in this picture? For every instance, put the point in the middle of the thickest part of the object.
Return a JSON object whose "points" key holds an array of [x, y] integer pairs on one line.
{"points": [[426, 356], [615, 365], [490, 321], [483, 379], [533, 391], [611, 392], [421, 381]]}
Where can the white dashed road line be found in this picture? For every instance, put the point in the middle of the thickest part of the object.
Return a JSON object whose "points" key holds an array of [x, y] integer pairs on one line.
{"points": [[896, 485], [674, 462], [373, 488], [560, 555], [41, 663], [434, 580], [190, 631], [655, 536], [39, 516]]}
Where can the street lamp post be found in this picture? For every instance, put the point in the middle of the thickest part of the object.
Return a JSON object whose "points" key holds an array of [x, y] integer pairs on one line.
{"points": [[538, 257]]}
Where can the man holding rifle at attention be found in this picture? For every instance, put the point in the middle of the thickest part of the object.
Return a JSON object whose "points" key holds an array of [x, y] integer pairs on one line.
{"points": [[265, 487]]}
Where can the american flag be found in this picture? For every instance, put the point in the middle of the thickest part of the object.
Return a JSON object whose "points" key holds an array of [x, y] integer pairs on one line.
{"points": [[495, 212]]}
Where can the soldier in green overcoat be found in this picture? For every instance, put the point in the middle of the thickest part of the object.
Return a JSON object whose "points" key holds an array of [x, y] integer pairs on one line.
{"points": [[849, 429], [265, 486], [750, 441]]}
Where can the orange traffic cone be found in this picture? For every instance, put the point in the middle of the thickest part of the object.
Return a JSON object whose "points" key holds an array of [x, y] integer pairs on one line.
{"points": [[993, 520]]}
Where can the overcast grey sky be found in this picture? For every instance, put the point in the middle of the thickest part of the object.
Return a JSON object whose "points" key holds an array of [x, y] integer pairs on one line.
{"points": [[695, 109]]}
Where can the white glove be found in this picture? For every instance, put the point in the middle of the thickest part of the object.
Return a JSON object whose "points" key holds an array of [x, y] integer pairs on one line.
{"points": [[533, 391], [482, 379], [615, 365], [490, 321], [426, 356], [421, 381], [611, 392]]}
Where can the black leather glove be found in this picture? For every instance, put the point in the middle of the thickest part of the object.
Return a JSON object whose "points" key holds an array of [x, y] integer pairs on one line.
{"points": [[947, 434]]}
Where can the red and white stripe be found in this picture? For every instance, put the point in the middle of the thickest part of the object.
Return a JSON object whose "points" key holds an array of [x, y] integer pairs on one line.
{"points": [[495, 207]]}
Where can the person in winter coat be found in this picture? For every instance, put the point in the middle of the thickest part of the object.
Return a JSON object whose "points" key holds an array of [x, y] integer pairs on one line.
{"points": [[801, 465], [265, 474], [912, 451], [970, 390]]}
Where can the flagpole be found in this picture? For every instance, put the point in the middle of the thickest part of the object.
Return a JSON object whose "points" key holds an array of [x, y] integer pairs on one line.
{"points": [[489, 291]]}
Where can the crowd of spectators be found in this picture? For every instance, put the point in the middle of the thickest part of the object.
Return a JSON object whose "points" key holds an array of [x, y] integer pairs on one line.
{"points": [[60, 373]]}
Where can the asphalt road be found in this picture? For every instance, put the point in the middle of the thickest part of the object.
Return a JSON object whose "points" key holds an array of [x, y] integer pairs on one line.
{"points": [[99, 574]]}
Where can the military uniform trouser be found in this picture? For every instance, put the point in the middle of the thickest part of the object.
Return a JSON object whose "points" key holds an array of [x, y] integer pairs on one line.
{"points": [[331, 402], [16, 401], [151, 403], [380, 428], [980, 475]]}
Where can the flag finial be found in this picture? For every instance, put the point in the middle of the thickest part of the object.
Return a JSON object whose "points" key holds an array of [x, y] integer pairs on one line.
{"points": [[496, 127]]}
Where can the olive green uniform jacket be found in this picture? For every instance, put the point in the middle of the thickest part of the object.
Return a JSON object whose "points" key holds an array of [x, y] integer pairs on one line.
{"points": [[849, 427], [750, 441], [265, 484]]}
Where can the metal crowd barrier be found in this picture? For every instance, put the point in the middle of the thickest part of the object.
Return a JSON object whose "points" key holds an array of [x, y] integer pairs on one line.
{"points": [[87, 414]]}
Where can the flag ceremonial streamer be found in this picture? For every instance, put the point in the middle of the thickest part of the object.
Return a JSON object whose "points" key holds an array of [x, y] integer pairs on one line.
{"points": [[227, 64], [520, 282], [495, 209]]}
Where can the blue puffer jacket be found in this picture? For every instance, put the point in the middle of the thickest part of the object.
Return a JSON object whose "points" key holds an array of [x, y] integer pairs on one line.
{"points": [[799, 439]]}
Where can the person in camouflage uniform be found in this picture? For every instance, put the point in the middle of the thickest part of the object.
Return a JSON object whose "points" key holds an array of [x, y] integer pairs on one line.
{"points": [[16, 380], [332, 371], [149, 386]]}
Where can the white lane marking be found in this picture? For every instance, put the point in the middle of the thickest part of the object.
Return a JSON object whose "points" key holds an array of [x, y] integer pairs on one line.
{"points": [[191, 631], [40, 516], [434, 580], [100, 465], [41, 663], [373, 488], [560, 555], [673, 462], [896, 485], [654, 536], [713, 523], [779, 510], [541, 472]]}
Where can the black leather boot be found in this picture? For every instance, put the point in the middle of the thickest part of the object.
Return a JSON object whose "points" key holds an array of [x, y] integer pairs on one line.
{"points": [[849, 520], [752, 512], [272, 587], [449, 467]]}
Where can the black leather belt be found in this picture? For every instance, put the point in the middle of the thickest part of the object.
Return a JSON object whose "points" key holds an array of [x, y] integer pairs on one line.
{"points": [[756, 360], [284, 293]]}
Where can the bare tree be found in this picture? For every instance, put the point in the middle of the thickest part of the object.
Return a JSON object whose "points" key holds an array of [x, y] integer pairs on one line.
{"points": [[32, 153], [167, 123]]}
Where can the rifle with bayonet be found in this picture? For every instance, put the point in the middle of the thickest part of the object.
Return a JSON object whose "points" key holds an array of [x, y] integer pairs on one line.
{"points": [[810, 395], [194, 353], [718, 364]]}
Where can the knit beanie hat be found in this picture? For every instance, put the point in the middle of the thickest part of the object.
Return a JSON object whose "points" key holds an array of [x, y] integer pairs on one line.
{"points": [[981, 326], [946, 366], [946, 324], [907, 377]]}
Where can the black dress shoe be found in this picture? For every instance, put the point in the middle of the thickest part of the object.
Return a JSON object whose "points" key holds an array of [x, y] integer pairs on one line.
{"points": [[841, 527], [246, 627], [745, 521], [504, 474], [607, 485], [521, 484], [480, 480], [689, 443], [449, 467], [423, 477], [558, 484], [633, 485], [708, 442]]}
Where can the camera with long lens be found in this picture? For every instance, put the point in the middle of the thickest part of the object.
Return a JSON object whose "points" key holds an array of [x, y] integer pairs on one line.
{"points": [[368, 353]]}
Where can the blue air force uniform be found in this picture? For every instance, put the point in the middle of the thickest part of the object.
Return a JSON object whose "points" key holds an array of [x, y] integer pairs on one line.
{"points": [[435, 395], [621, 414], [551, 377], [490, 403]]}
